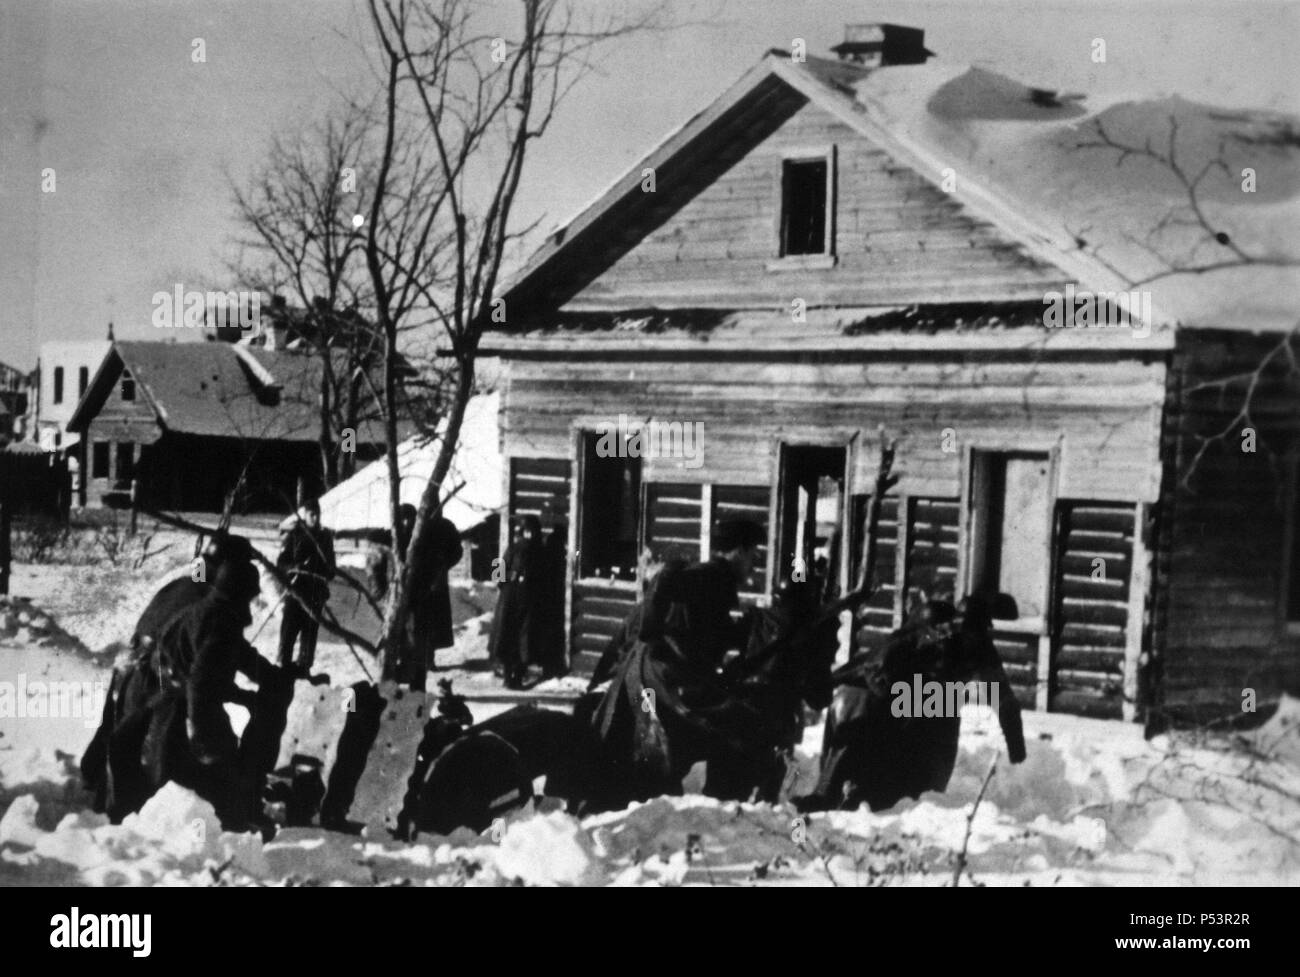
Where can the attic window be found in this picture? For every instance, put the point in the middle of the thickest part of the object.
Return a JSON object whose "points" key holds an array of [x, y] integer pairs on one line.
{"points": [[128, 386], [805, 206]]}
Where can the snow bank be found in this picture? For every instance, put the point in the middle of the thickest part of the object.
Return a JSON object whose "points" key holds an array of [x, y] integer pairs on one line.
{"points": [[175, 839]]}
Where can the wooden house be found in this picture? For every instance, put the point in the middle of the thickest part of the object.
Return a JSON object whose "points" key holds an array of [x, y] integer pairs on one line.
{"points": [[792, 276], [188, 422]]}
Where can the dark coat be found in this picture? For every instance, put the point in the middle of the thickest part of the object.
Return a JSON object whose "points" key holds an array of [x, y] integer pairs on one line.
{"points": [[554, 571], [112, 768], [170, 600], [668, 705], [519, 622], [190, 739], [431, 620], [695, 604], [307, 558], [871, 755]]}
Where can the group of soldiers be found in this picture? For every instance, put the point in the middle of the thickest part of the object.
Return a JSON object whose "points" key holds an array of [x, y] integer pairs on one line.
{"points": [[692, 679], [688, 678]]}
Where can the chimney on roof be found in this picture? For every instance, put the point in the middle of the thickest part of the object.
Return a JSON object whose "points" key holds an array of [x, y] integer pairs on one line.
{"points": [[881, 45]]}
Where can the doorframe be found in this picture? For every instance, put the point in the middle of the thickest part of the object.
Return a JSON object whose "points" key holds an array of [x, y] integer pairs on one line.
{"points": [[1043, 626], [848, 441]]}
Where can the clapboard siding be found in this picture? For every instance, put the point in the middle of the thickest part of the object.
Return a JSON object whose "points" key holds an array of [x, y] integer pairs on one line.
{"points": [[1094, 560], [899, 238], [1220, 619], [1106, 415]]}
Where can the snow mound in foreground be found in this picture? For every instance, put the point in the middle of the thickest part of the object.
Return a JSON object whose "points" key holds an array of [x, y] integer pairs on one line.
{"points": [[175, 839], [1092, 804]]}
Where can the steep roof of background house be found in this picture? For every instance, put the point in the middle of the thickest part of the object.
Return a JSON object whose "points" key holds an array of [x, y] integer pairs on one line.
{"points": [[1014, 151], [219, 390]]}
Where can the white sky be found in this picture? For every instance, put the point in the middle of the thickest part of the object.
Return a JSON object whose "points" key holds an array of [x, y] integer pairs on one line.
{"points": [[105, 92]]}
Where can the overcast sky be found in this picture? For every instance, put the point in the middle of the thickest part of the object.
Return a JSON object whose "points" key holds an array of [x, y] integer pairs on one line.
{"points": [[139, 136]]}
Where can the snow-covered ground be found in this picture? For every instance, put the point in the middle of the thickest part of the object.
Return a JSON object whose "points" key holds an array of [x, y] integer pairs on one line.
{"points": [[1094, 804]]}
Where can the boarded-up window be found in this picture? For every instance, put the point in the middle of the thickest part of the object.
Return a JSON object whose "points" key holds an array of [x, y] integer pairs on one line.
{"points": [[1094, 564], [746, 502], [932, 527], [83, 380], [539, 487], [672, 521], [128, 386]]}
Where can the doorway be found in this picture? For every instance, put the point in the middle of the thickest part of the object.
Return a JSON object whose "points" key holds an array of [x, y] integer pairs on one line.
{"points": [[810, 517], [1010, 530]]}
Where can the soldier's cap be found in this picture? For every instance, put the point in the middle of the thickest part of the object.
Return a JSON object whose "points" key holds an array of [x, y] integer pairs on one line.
{"points": [[735, 534], [310, 505]]}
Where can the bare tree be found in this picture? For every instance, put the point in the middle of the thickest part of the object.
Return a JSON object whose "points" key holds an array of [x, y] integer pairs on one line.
{"points": [[300, 209], [461, 108]]}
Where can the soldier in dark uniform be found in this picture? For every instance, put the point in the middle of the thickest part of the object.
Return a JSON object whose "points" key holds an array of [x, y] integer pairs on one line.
{"points": [[871, 755], [112, 767], [429, 625], [668, 705], [307, 559], [518, 624], [627, 633], [180, 593], [190, 739]]}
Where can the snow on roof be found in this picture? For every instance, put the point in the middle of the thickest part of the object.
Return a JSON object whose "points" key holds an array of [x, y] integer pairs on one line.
{"points": [[472, 490], [1106, 217], [1042, 152]]}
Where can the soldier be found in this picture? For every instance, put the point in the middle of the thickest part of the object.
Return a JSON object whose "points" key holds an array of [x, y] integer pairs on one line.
{"points": [[111, 766], [430, 622], [518, 624], [185, 590], [668, 705], [872, 755], [307, 558], [190, 739]]}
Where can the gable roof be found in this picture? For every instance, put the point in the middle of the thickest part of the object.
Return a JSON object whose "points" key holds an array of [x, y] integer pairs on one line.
{"points": [[927, 117], [218, 389]]}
